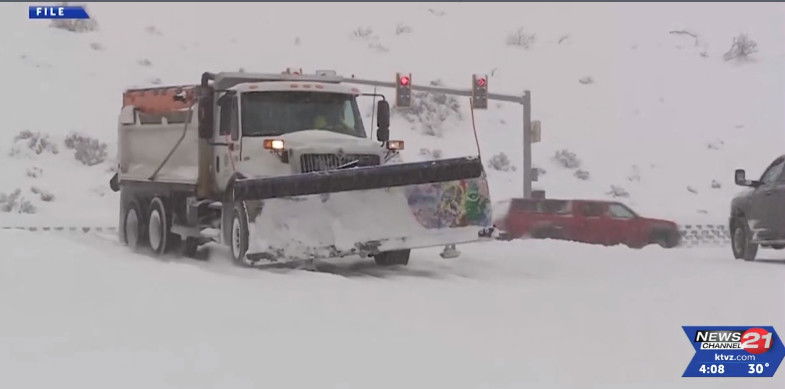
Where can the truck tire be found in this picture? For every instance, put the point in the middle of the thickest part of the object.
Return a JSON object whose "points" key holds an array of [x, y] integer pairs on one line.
{"points": [[391, 258], [740, 241], [158, 227], [667, 239], [238, 241], [133, 226]]}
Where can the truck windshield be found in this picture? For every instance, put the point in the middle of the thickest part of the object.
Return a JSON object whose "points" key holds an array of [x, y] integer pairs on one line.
{"points": [[277, 113]]}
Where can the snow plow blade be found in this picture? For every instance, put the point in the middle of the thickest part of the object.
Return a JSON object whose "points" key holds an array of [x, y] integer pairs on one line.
{"points": [[359, 178]]}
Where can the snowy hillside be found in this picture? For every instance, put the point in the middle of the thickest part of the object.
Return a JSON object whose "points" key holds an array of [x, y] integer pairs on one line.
{"points": [[659, 114]]}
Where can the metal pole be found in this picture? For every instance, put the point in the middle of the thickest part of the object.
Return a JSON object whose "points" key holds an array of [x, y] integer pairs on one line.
{"points": [[527, 145]]}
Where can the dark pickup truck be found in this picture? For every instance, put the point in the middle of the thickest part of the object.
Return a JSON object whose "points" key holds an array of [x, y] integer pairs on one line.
{"points": [[757, 215], [588, 221]]}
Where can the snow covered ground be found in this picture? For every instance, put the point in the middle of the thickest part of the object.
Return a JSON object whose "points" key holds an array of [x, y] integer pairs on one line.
{"points": [[83, 312], [660, 114]]}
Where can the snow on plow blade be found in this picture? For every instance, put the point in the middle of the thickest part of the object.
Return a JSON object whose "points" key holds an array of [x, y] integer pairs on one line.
{"points": [[360, 178], [366, 210]]}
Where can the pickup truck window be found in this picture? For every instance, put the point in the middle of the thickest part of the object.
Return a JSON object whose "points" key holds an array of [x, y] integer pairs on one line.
{"points": [[774, 171], [277, 113], [559, 207], [619, 211], [593, 209]]}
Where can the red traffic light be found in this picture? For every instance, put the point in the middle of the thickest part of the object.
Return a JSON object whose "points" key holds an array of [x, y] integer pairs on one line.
{"points": [[481, 82], [404, 80]]}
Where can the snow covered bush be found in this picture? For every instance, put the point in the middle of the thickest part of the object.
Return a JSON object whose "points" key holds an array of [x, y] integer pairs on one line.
{"points": [[586, 80], [581, 174], [367, 34], [362, 32], [520, 38], [14, 202], [635, 174], [42, 194], [539, 172], [153, 30], [87, 150], [403, 29], [567, 159], [716, 184], [617, 191], [144, 62], [75, 25], [715, 145], [378, 46], [501, 163], [97, 46], [32, 142], [34, 172], [431, 110], [741, 48], [432, 154]]}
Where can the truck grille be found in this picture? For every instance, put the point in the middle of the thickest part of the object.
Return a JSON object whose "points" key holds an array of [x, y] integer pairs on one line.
{"points": [[320, 162]]}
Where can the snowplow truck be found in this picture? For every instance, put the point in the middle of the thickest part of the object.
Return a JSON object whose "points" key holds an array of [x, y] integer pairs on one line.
{"points": [[281, 167]]}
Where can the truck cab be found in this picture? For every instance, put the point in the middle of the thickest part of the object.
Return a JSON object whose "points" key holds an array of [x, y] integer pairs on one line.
{"points": [[287, 127], [756, 214]]}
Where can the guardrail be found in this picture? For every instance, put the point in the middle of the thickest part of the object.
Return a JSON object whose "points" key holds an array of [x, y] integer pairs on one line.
{"points": [[694, 235]]}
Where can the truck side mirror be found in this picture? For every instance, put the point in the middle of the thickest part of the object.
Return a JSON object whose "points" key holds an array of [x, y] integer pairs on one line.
{"points": [[383, 121], [740, 177]]}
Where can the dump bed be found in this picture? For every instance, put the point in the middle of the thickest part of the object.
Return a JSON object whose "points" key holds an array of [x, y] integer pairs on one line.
{"points": [[152, 122]]}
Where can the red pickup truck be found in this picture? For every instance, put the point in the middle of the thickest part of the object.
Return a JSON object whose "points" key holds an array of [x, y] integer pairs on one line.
{"points": [[599, 222]]}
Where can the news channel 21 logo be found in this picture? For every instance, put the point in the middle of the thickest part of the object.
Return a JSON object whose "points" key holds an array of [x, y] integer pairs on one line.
{"points": [[57, 12], [734, 351]]}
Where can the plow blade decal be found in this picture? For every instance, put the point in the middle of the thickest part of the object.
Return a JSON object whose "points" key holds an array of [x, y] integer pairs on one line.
{"points": [[361, 178]]}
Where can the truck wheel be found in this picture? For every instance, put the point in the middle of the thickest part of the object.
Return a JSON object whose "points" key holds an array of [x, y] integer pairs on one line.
{"points": [[390, 258], [740, 241], [667, 239], [133, 226], [158, 227], [238, 242]]}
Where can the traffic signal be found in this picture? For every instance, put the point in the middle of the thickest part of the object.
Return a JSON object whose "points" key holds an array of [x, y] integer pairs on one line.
{"points": [[479, 91], [536, 131], [403, 90]]}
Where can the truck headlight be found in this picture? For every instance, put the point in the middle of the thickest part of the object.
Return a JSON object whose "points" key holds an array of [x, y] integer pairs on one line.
{"points": [[273, 144], [395, 145]]}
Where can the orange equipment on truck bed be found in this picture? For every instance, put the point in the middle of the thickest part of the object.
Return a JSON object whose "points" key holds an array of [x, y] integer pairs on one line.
{"points": [[161, 99]]}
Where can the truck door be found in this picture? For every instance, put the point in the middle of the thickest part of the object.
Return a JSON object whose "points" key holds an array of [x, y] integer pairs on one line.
{"points": [[768, 200], [588, 222], [227, 139], [622, 226]]}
